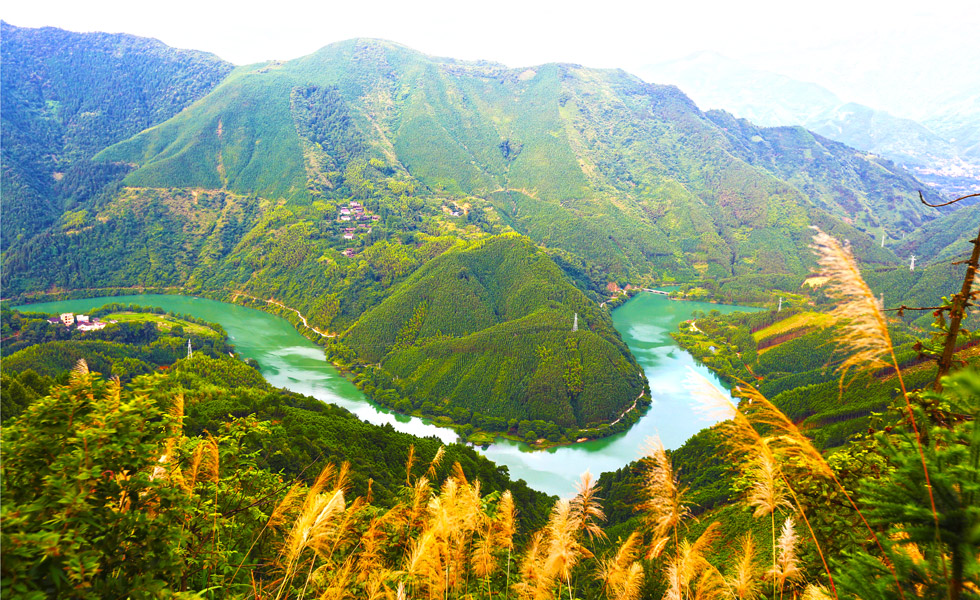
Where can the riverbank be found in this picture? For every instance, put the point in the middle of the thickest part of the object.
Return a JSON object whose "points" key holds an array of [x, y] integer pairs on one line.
{"points": [[291, 360]]}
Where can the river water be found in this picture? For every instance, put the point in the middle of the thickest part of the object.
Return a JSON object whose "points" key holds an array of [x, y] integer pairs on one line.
{"points": [[289, 360]]}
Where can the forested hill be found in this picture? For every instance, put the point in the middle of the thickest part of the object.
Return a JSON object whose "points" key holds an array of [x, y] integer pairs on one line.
{"points": [[356, 185], [498, 331], [630, 175], [66, 96]]}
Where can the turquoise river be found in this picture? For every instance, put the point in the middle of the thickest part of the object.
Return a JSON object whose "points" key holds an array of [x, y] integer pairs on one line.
{"points": [[289, 360]]}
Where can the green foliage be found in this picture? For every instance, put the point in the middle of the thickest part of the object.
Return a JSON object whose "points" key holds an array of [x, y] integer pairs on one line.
{"points": [[488, 328], [937, 555], [69, 95], [90, 509]]}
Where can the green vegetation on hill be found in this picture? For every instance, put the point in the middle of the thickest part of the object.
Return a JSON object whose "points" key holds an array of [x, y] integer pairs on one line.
{"points": [[66, 96], [241, 195], [488, 328]]}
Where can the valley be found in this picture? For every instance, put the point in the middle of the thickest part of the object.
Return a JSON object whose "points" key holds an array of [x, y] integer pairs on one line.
{"points": [[427, 327], [290, 361]]}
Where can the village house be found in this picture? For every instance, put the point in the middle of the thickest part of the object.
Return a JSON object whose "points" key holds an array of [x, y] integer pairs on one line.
{"points": [[348, 236], [68, 319], [345, 211], [344, 218], [349, 252]]}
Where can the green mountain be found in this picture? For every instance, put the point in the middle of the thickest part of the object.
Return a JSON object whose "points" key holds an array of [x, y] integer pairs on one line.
{"points": [[607, 178], [630, 175], [496, 320], [66, 96]]}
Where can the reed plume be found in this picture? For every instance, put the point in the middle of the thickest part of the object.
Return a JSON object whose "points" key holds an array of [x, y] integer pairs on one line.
{"points": [[212, 459], [815, 592], [408, 465], [665, 506], [786, 568], [530, 571], [689, 564], [311, 529], [586, 508], [767, 493], [862, 325], [435, 462], [743, 582], [621, 574], [564, 549], [865, 332]]}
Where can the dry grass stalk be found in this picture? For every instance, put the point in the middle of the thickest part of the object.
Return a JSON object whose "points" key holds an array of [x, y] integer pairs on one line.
{"points": [[564, 550], [665, 506], [767, 493], [743, 435], [586, 508], [620, 574], [531, 569], [861, 321], [435, 462], [212, 459], [786, 568], [689, 565], [408, 465], [865, 333], [312, 528], [744, 582], [815, 592]]}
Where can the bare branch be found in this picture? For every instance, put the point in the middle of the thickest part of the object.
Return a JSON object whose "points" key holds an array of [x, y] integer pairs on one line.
{"points": [[945, 203]]}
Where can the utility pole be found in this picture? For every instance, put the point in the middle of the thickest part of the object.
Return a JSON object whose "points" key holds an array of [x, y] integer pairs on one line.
{"points": [[575, 324], [882, 238], [780, 307], [912, 264], [190, 352]]}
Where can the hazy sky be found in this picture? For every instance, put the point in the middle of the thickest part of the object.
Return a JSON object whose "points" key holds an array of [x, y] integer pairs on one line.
{"points": [[794, 37]]}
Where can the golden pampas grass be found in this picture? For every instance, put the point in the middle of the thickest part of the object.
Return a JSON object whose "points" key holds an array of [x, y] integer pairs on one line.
{"points": [[563, 548], [408, 465], [815, 592], [212, 459], [531, 569], [621, 575], [861, 321], [665, 506], [435, 462], [786, 568], [744, 581], [689, 564], [586, 508], [506, 518], [767, 492]]}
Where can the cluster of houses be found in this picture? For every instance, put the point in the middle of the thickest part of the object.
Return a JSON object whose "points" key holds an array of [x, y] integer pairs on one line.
{"points": [[355, 212], [362, 219], [81, 322]]}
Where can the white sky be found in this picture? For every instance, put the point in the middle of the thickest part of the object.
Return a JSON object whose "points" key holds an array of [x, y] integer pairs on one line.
{"points": [[808, 40]]}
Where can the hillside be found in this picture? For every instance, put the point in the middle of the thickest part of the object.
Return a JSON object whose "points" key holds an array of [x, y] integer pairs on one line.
{"points": [[570, 155], [940, 150], [489, 329], [66, 96], [356, 183]]}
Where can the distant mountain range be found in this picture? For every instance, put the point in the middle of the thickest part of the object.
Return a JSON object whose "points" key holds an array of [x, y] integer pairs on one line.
{"points": [[506, 201], [943, 150]]}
